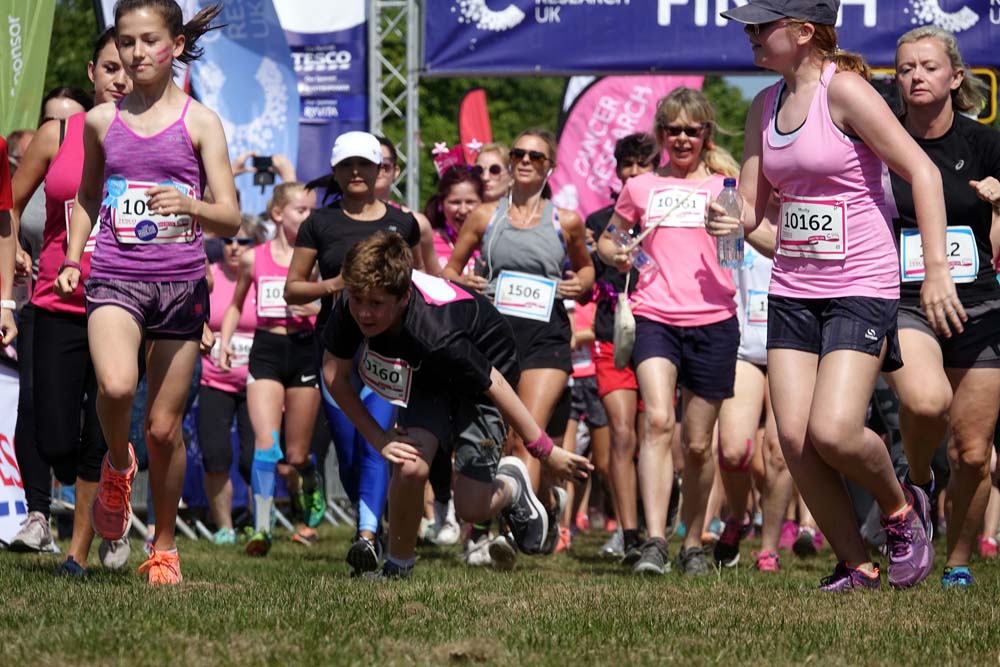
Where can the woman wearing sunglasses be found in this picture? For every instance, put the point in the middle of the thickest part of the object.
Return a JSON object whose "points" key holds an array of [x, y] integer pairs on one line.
{"points": [[494, 160], [686, 326], [222, 395], [819, 138], [525, 242]]}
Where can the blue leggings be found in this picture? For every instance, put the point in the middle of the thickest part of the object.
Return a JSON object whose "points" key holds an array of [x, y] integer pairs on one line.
{"points": [[363, 471]]}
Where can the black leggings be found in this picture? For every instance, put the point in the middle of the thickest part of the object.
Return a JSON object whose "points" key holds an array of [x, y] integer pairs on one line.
{"points": [[35, 474], [216, 409], [65, 384]]}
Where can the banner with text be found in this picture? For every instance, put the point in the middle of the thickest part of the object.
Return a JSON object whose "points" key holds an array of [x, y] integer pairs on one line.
{"points": [[608, 36], [23, 58], [328, 41], [13, 508]]}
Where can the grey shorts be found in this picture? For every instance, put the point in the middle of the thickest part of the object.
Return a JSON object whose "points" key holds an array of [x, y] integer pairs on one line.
{"points": [[474, 432], [978, 346], [164, 310], [586, 404]]}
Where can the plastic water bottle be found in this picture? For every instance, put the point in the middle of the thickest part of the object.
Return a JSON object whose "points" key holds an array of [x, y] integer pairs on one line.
{"points": [[643, 263], [730, 247]]}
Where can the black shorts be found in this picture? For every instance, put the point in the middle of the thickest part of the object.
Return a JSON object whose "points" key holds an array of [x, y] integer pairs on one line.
{"points": [[978, 346], [587, 404], [543, 344], [819, 326], [705, 356], [286, 358], [216, 409], [473, 431], [556, 428]]}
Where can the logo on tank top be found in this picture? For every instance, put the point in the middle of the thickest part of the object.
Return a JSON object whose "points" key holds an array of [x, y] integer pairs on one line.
{"points": [[146, 230], [959, 165]]}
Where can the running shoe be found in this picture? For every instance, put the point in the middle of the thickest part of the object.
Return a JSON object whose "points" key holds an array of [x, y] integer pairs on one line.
{"points": [[525, 515], [805, 544], [714, 531], [259, 544], [789, 533], [632, 553], [674, 524], [502, 553], [110, 511], [654, 558], [477, 552], [767, 561], [614, 548], [956, 577], [911, 554], [35, 535], [987, 547], [389, 572], [727, 550], [845, 579], [313, 504], [114, 553], [162, 568], [305, 536], [554, 513], [610, 525], [70, 568], [582, 522], [564, 541], [692, 562], [224, 537], [362, 556], [426, 532]]}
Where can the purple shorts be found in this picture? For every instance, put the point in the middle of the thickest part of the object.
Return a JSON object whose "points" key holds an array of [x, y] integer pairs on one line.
{"points": [[168, 310]]}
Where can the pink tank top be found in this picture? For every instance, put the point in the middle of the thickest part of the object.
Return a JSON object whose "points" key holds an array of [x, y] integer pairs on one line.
{"points": [[235, 380], [268, 292], [583, 357], [62, 180], [834, 234]]}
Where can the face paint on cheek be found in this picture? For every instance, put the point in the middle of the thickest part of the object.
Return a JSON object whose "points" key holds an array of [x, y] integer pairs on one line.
{"points": [[162, 56]]}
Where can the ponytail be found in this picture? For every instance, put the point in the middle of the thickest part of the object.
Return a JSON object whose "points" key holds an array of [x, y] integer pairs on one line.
{"points": [[824, 41]]}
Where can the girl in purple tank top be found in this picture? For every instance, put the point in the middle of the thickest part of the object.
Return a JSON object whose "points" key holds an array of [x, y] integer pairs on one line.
{"points": [[148, 160], [817, 139]]}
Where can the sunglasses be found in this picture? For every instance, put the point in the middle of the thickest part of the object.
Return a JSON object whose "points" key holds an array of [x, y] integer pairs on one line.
{"points": [[757, 29], [387, 167], [494, 170], [690, 130], [240, 240], [517, 155]]}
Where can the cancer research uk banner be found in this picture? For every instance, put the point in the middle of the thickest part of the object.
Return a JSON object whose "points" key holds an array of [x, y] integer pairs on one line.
{"points": [[328, 41], [246, 77], [596, 117], [27, 27], [13, 508], [607, 36]]}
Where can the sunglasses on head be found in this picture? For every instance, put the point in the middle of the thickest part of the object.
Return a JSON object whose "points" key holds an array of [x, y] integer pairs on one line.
{"points": [[493, 169], [240, 240], [517, 154], [689, 130]]}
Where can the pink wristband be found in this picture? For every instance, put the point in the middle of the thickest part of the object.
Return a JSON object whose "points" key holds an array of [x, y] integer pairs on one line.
{"points": [[540, 448], [70, 264]]}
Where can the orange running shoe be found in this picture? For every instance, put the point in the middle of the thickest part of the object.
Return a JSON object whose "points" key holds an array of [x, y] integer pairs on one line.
{"points": [[305, 535], [163, 567], [111, 511], [564, 541]]}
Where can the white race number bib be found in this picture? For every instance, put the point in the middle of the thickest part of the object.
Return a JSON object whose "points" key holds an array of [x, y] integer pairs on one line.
{"points": [[133, 222], [677, 207], [92, 239], [963, 257], [271, 297], [813, 228], [241, 344], [525, 295], [389, 378], [757, 309]]}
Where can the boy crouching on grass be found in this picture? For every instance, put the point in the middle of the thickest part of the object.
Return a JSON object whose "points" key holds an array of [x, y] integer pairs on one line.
{"points": [[448, 359]]}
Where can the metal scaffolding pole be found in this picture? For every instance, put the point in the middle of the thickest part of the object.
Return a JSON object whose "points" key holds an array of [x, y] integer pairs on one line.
{"points": [[393, 83]]}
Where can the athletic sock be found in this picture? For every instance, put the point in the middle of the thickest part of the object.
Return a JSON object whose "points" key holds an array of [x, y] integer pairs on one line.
{"points": [[478, 531], [631, 539], [928, 487], [262, 472], [402, 564]]}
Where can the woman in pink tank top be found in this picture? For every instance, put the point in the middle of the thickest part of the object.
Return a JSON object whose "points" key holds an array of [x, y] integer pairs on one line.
{"points": [[147, 161], [459, 191], [818, 138]]}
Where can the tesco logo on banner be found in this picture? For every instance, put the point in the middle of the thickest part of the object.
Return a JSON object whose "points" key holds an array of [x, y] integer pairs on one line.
{"points": [[330, 61]]}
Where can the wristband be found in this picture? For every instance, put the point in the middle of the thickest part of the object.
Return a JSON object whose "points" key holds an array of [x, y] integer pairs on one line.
{"points": [[70, 264], [540, 448], [8, 304]]}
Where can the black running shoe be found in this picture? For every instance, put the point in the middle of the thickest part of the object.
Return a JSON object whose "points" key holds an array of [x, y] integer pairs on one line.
{"points": [[362, 556], [727, 549], [526, 516], [389, 572]]}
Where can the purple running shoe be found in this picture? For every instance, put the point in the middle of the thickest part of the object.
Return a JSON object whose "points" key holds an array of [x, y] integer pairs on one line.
{"points": [[845, 579], [911, 554]]}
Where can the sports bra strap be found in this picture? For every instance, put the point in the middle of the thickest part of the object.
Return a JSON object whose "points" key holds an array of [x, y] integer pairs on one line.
{"points": [[62, 130], [186, 105]]}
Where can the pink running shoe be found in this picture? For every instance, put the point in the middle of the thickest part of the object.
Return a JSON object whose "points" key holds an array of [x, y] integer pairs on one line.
{"points": [[564, 541], [610, 525], [987, 547], [789, 533], [818, 540], [582, 522], [767, 561], [110, 511], [162, 568]]}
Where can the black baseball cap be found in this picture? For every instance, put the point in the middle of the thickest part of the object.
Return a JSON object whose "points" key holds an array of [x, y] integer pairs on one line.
{"points": [[822, 12]]}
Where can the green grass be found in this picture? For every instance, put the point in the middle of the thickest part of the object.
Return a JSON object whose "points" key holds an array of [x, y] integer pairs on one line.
{"points": [[298, 607]]}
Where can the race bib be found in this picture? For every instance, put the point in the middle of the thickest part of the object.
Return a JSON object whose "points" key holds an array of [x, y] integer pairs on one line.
{"points": [[963, 257], [389, 378], [92, 239], [133, 222], [757, 309], [271, 297], [813, 228], [525, 295], [581, 357], [677, 207], [241, 344]]}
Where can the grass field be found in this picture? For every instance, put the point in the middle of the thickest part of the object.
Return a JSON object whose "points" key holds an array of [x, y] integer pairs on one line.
{"points": [[298, 607]]}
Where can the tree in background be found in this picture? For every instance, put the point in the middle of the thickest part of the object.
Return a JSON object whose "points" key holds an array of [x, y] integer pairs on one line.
{"points": [[73, 34]]}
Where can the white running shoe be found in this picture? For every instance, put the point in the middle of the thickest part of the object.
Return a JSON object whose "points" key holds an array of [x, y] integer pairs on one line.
{"points": [[448, 530], [114, 553], [477, 554], [502, 553], [35, 535]]}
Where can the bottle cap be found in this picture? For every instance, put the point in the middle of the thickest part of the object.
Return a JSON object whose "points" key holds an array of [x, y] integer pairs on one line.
{"points": [[729, 183]]}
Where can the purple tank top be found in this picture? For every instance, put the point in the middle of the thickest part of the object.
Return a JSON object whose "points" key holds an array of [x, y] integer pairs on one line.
{"points": [[134, 243]]}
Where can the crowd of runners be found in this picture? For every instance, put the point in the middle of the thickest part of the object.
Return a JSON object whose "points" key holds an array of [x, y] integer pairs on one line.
{"points": [[488, 368]]}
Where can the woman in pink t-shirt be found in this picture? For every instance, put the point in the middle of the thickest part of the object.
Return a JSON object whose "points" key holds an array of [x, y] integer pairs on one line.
{"points": [[460, 190], [818, 138], [686, 327]]}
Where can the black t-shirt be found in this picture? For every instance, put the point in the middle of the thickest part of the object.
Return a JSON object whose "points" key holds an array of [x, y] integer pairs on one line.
{"points": [[451, 337], [607, 276], [969, 151], [331, 233]]}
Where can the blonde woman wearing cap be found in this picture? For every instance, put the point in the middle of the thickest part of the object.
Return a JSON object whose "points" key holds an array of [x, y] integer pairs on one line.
{"points": [[819, 137], [323, 242]]}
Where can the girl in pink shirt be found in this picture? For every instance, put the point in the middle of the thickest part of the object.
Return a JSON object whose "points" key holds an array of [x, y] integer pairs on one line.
{"points": [[459, 191]]}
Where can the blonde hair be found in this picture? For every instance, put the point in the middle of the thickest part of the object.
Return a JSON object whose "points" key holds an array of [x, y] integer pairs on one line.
{"points": [[698, 109], [500, 149], [283, 194], [971, 95]]}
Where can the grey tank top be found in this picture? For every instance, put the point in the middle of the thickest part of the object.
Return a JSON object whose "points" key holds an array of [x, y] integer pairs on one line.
{"points": [[536, 250]]}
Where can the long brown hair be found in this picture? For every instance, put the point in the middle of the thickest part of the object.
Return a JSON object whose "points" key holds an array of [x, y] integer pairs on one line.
{"points": [[173, 17]]}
